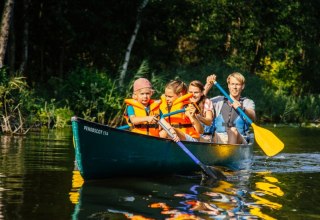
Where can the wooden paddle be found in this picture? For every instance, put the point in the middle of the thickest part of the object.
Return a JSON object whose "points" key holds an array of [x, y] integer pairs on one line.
{"points": [[269, 143], [123, 127], [209, 171]]}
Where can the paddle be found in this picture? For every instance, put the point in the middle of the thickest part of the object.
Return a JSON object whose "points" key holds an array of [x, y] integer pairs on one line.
{"points": [[165, 115], [209, 171], [269, 143]]}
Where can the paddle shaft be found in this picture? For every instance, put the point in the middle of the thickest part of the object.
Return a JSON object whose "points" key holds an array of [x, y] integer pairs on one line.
{"points": [[165, 115], [208, 171], [180, 144], [231, 100]]}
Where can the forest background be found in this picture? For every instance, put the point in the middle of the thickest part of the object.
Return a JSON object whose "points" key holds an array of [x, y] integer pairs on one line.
{"points": [[73, 57]]}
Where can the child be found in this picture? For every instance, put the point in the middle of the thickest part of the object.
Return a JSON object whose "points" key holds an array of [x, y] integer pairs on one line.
{"points": [[204, 106], [186, 125], [141, 109]]}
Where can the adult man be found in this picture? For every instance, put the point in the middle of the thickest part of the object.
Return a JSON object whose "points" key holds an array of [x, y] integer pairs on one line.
{"points": [[229, 126]]}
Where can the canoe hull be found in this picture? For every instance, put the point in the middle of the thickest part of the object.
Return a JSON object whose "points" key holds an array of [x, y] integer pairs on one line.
{"points": [[102, 152]]}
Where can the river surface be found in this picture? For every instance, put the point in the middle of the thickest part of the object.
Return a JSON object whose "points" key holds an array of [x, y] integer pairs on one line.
{"points": [[38, 181]]}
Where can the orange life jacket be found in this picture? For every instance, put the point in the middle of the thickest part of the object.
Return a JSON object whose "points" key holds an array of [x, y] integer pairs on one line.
{"points": [[180, 120], [140, 110]]}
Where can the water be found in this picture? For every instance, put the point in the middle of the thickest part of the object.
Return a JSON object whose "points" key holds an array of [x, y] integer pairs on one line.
{"points": [[38, 181]]}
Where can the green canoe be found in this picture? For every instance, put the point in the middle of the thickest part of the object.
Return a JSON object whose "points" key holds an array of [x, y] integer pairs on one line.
{"points": [[102, 151]]}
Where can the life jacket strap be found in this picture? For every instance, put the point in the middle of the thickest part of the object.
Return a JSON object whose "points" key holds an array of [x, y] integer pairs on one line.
{"points": [[181, 125], [147, 126], [207, 133]]}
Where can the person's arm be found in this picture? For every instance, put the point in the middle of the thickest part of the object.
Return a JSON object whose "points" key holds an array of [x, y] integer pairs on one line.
{"points": [[207, 113], [172, 130], [249, 109], [251, 113], [190, 113], [141, 119], [209, 83], [247, 106], [138, 120], [207, 118]]}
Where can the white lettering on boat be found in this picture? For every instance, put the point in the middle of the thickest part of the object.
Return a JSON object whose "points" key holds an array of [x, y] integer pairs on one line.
{"points": [[95, 130]]}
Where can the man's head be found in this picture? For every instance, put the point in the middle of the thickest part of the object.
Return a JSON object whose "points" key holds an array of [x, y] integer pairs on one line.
{"points": [[236, 83], [238, 76]]}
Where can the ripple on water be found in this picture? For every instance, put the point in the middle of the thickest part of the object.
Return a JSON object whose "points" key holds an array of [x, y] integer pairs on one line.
{"points": [[288, 163]]}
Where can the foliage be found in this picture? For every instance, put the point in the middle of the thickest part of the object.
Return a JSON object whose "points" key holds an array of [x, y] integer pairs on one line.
{"points": [[91, 94], [62, 117], [14, 103], [281, 75], [158, 81], [302, 109], [276, 106], [21, 109], [46, 114], [175, 33], [51, 116], [78, 47]]}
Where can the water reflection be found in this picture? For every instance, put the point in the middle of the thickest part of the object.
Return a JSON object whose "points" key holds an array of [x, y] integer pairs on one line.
{"points": [[265, 192], [77, 182], [10, 182], [30, 168], [176, 198]]}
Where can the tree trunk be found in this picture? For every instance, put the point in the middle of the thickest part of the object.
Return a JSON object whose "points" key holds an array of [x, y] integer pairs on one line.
{"points": [[257, 56], [228, 43], [5, 28], [133, 38], [11, 51], [25, 41]]}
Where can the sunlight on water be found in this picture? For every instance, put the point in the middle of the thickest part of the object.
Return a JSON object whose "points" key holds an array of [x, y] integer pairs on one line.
{"points": [[288, 163]]}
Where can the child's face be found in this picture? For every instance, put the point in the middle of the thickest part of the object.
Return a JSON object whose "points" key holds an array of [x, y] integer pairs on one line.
{"points": [[170, 96], [196, 92], [143, 96]]}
